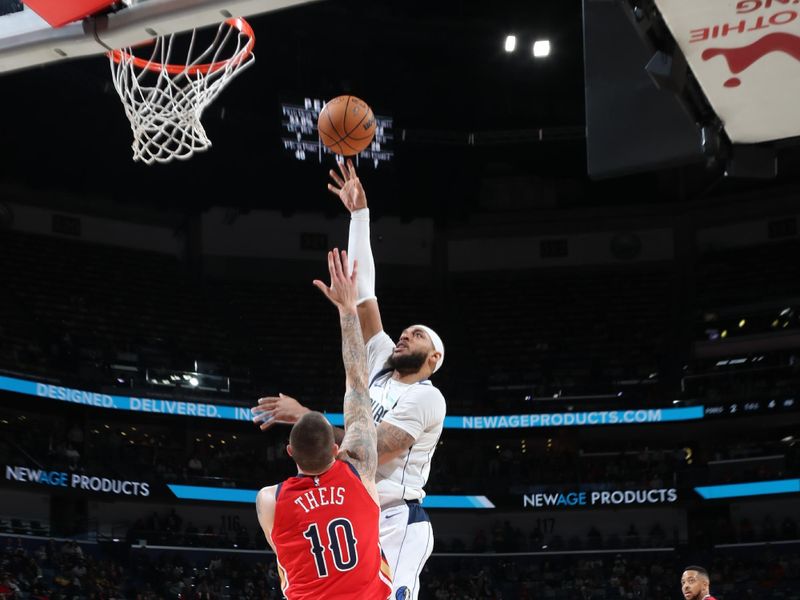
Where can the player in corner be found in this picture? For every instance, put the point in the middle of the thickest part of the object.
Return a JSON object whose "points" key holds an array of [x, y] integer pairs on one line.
{"points": [[695, 584]]}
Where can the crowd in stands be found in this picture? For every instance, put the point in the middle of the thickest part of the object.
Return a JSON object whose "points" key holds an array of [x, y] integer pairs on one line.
{"points": [[67, 571], [72, 311], [747, 276], [498, 536], [169, 529], [761, 575], [58, 571], [557, 330], [727, 531], [505, 462]]}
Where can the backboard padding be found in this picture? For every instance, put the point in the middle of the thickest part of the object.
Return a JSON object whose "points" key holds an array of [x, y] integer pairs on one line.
{"points": [[60, 12], [26, 40]]}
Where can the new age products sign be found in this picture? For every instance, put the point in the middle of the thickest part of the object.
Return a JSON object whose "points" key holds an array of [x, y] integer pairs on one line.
{"points": [[579, 499], [77, 481], [242, 413]]}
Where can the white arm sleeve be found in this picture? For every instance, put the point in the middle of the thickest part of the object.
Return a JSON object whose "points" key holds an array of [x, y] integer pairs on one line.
{"points": [[379, 349], [358, 248]]}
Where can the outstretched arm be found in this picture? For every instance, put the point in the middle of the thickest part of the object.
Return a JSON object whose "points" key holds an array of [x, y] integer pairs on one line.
{"points": [[283, 409], [359, 445], [350, 191]]}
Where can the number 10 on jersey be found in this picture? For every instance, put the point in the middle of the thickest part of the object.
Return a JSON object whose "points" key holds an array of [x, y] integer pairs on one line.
{"points": [[341, 546]]}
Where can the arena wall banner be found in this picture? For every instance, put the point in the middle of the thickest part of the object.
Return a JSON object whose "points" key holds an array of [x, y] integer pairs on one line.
{"points": [[239, 413], [76, 481], [600, 498], [750, 488], [194, 492], [577, 419], [80, 483], [572, 498]]}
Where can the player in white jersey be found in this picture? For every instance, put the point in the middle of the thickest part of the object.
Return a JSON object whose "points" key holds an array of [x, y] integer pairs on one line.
{"points": [[408, 409]]}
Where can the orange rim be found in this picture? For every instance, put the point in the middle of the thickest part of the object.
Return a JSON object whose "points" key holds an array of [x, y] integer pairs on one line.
{"points": [[237, 22]]}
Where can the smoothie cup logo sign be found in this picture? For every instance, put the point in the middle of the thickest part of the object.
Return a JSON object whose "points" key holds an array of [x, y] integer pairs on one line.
{"points": [[739, 59]]}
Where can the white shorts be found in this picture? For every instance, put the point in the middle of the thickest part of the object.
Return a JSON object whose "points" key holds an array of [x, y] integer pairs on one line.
{"points": [[407, 542]]}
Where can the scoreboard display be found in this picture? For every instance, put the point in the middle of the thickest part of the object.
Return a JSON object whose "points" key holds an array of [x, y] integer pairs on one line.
{"points": [[750, 407], [301, 140]]}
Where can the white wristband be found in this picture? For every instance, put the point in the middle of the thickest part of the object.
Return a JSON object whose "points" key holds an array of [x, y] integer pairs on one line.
{"points": [[358, 248], [360, 214]]}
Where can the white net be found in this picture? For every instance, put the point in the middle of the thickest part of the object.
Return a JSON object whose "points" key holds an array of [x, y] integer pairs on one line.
{"points": [[164, 101]]}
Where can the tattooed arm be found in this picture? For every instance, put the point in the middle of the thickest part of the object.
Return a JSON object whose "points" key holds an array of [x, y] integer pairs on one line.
{"points": [[360, 438], [392, 441], [359, 446]]}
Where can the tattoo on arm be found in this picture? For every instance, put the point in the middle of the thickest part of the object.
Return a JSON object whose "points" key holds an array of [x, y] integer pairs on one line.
{"points": [[354, 354], [392, 441], [360, 438]]}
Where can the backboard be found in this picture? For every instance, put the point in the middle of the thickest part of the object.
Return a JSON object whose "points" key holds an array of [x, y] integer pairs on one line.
{"points": [[28, 36], [746, 57]]}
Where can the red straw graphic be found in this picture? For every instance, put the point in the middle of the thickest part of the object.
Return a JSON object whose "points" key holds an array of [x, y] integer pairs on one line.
{"points": [[741, 58]]}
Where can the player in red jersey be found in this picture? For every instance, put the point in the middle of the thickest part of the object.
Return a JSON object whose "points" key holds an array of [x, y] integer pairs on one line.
{"points": [[323, 524], [695, 584]]}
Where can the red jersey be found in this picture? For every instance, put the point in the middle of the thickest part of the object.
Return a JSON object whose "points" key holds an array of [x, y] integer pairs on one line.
{"points": [[326, 536]]}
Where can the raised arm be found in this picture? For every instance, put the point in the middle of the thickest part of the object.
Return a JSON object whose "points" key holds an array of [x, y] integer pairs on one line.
{"points": [[360, 441], [350, 191], [359, 445]]}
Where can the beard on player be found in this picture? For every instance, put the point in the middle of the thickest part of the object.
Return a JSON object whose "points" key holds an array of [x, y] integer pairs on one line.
{"points": [[407, 364]]}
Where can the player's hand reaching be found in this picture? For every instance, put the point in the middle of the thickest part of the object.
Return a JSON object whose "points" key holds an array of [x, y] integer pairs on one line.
{"points": [[348, 187], [277, 409], [343, 290]]}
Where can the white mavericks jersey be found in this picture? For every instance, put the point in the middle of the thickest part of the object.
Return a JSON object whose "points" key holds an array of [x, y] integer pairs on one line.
{"points": [[418, 409]]}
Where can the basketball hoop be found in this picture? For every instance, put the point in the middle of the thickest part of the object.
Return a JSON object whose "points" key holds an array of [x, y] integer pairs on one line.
{"points": [[164, 101]]}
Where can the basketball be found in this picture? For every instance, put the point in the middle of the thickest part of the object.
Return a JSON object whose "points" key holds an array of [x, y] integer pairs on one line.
{"points": [[346, 125]]}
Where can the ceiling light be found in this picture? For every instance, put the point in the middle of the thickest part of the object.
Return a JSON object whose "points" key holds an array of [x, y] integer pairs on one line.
{"points": [[511, 43], [541, 48]]}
